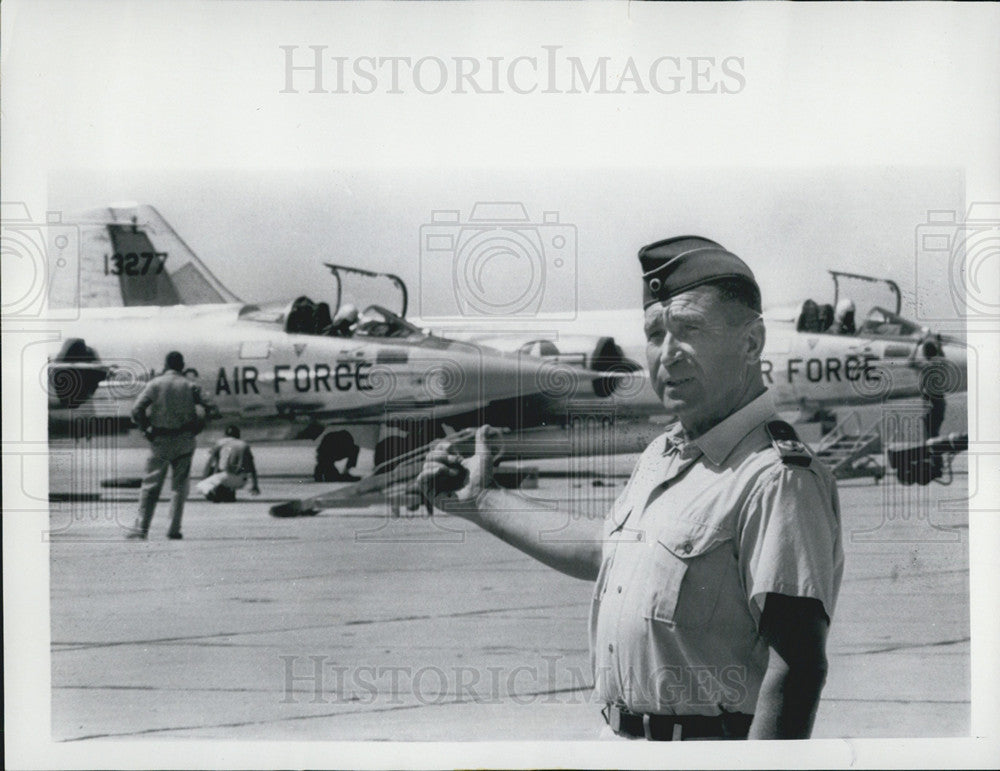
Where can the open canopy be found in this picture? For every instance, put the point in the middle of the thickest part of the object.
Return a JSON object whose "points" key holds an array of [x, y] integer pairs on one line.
{"points": [[303, 316], [368, 288]]}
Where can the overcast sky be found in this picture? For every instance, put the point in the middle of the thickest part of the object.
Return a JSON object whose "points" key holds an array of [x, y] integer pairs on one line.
{"points": [[795, 138], [265, 233]]}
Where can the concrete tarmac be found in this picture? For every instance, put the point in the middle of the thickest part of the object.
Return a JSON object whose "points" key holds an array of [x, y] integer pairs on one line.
{"points": [[351, 625]]}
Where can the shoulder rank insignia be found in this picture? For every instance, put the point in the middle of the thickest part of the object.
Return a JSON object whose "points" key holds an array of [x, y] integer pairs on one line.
{"points": [[786, 442]]}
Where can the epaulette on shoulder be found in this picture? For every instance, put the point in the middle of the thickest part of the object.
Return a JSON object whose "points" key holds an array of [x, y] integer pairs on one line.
{"points": [[788, 445]]}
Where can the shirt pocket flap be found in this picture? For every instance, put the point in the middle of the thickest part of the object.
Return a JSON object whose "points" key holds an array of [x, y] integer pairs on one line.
{"points": [[687, 539], [685, 574]]}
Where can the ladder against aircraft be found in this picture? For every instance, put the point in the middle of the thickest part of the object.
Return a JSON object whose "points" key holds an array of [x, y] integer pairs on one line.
{"points": [[849, 449], [854, 449]]}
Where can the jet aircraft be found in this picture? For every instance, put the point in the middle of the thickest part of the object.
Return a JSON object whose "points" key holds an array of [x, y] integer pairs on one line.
{"points": [[808, 365], [811, 363], [282, 370]]}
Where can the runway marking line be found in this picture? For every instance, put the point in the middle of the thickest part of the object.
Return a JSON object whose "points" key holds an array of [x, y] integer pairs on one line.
{"points": [[905, 647], [77, 646], [338, 713]]}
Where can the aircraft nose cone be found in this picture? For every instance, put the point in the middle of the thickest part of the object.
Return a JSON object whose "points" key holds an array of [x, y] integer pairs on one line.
{"points": [[527, 376]]}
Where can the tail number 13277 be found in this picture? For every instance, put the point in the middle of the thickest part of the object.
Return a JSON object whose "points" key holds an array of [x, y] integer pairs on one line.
{"points": [[134, 263]]}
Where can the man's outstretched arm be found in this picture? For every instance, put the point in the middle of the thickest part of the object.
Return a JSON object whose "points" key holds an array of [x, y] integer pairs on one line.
{"points": [[569, 544], [464, 487]]}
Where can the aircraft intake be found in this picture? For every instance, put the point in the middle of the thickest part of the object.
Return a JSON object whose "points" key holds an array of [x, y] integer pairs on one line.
{"points": [[75, 373], [609, 357]]}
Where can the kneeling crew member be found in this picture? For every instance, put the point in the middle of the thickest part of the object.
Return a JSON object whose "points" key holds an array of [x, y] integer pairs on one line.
{"points": [[230, 464]]}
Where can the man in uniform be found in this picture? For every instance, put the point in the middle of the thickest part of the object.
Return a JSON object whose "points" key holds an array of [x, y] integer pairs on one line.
{"points": [[718, 567], [165, 412], [344, 322], [334, 447], [230, 463], [843, 317]]}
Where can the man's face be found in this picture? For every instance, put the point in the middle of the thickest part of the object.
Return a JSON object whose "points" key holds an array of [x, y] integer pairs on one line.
{"points": [[699, 353]]}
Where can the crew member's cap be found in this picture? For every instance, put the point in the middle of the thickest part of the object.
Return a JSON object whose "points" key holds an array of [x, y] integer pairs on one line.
{"points": [[678, 264]]}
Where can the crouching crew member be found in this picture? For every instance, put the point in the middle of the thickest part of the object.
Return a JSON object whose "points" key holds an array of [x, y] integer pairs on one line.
{"points": [[230, 464], [334, 447]]}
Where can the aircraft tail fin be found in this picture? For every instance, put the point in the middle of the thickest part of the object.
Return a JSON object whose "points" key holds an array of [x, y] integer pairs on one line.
{"points": [[130, 256]]}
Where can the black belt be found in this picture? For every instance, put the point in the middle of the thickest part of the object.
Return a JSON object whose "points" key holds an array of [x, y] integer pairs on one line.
{"points": [[665, 728]]}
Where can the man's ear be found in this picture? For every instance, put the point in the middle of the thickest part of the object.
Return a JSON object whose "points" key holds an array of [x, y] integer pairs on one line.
{"points": [[756, 337]]}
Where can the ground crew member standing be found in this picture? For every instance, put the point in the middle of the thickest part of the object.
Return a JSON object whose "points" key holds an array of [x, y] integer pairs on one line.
{"points": [[165, 412], [230, 463], [717, 569]]}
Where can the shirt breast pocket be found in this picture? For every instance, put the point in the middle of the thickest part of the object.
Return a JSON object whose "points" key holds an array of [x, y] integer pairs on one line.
{"points": [[686, 570]]}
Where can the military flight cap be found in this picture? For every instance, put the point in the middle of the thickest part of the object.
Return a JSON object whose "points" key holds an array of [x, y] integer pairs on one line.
{"points": [[678, 264]]}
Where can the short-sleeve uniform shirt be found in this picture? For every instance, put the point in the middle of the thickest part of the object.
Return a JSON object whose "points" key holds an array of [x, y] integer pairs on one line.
{"points": [[234, 455], [167, 402], [703, 531]]}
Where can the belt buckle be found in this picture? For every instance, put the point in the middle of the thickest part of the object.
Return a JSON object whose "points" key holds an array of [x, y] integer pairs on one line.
{"points": [[678, 733]]}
